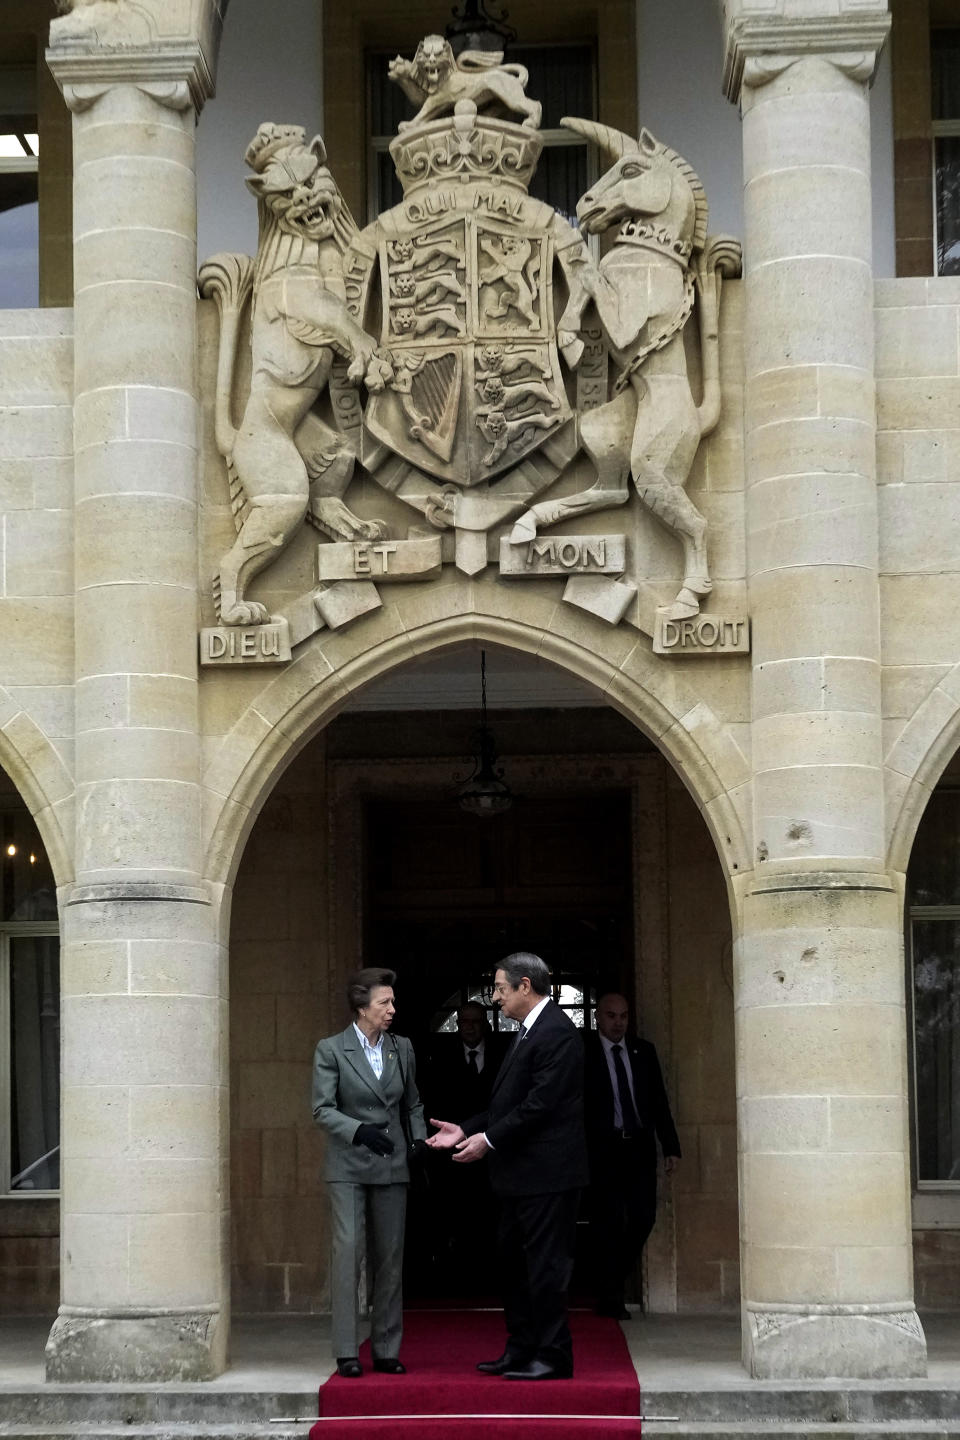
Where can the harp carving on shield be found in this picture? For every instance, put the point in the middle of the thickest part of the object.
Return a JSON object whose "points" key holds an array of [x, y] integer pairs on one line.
{"points": [[432, 401]]}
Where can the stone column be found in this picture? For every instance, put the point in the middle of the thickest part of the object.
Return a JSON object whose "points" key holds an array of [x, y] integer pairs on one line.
{"points": [[821, 1032], [144, 1282]]}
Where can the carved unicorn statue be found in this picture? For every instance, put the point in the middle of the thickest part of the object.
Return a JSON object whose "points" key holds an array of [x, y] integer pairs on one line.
{"points": [[660, 267]]}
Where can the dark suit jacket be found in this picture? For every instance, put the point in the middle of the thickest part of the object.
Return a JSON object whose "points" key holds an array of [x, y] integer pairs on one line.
{"points": [[449, 1086], [649, 1091], [534, 1120]]}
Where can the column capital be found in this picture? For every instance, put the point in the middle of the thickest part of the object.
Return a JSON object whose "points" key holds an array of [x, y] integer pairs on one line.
{"points": [[173, 72], [763, 38]]}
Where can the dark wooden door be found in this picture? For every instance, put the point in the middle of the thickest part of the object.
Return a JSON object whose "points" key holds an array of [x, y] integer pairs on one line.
{"points": [[447, 896]]}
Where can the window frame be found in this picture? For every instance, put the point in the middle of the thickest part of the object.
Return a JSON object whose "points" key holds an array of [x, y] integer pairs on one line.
{"points": [[935, 1203], [940, 130], [11, 930]]}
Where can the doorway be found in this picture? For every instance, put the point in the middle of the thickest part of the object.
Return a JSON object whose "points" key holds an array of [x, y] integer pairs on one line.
{"points": [[305, 910], [448, 895]]}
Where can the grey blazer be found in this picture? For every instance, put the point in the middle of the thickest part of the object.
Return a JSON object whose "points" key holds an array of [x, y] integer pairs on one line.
{"points": [[347, 1094]]}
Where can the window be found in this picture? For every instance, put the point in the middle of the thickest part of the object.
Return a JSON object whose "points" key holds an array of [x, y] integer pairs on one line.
{"points": [[934, 946], [562, 78], [945, 79], [569, 995], [19, 209], [29, 1006]]}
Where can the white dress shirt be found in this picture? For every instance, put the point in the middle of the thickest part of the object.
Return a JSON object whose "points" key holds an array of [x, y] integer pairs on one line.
{"points": [[608, 1053], [477, 1050], [374, 1053], [531, 1019]]}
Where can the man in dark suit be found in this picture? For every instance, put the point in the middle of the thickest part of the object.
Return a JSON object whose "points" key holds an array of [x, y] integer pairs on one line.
{"points": [[627, 1112], [457, 1082], [532, 1137], [463, 1067]]}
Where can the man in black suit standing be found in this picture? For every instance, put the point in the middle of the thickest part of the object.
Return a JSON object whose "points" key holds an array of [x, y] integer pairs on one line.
{"points": [[463, 1067], [627, 1112], [532, 1137], [457, 1081]]}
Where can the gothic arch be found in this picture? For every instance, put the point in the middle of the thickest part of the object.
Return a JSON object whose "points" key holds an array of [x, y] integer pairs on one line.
{"points": [[309, 693], [915, 763], [41, 778]]}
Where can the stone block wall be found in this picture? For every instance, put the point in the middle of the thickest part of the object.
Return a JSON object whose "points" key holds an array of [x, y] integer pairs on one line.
{"points": [[36, 568], [36, 678], [918, 453], [279, 1008], [702, 1064], [918, 476], [29, 1257], [36, 514]]}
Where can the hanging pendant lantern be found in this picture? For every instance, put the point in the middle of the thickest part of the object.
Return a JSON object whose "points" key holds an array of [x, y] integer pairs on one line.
{"points": [[485, 792]]}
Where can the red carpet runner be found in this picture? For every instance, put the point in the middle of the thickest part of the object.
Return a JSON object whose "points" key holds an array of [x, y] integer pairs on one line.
{"points": [[444, 1398]]}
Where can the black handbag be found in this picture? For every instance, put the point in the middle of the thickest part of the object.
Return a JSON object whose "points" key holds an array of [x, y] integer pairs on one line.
{"points": [[415, 1148]]}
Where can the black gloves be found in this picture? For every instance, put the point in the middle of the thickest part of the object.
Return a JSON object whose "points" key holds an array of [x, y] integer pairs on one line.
{"points": [[373, 1137]]}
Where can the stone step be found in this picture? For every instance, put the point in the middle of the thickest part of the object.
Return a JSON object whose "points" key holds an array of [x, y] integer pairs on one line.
{"points": [[860, 1409], [55, 1407], [821, 1406], [846, 1430], [652, 1429], [164, 1430]]}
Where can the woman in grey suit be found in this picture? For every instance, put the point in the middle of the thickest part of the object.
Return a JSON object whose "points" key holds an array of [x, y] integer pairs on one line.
{"points": [[365, 1097]]}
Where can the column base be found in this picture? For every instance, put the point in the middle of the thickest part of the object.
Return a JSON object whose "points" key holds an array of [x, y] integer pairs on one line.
{"points": [[110, 1348], [834, 1342]]}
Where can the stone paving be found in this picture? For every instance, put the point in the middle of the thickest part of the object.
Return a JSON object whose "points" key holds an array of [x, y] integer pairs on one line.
{"points": [[671, 1352]]}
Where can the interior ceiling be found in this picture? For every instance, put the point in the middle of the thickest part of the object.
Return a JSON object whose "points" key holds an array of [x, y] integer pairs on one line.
{"points": [[451, 681], [945, 12]]}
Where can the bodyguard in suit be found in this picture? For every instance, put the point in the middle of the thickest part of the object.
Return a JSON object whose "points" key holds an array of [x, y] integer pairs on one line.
{"points": [[365, 1098], [463, 1067], [457, 1083], [531, 1136], [627, 1113]]}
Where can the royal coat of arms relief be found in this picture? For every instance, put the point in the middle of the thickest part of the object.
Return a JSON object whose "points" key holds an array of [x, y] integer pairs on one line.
{"points": [[467, 355]]}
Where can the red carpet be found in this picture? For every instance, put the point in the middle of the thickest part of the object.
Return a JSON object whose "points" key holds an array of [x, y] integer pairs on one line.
{"points": [[443, 1395]]}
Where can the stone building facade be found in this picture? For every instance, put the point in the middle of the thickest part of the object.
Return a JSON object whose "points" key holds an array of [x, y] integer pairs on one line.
{"points": [[207, 825]]}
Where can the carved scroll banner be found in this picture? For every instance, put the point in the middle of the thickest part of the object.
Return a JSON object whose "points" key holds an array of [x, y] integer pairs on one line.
{"points": [[267, 644], [380, 560], [701, 635], [564, 555]]}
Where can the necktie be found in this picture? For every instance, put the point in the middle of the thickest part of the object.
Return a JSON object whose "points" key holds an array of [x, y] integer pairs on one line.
{"points": [[628, 1111], [472, 1062]]}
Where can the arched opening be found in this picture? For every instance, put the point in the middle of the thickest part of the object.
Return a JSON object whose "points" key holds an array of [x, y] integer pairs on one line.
{"points": [[29, 1063], [932, 929], [361, 854]]}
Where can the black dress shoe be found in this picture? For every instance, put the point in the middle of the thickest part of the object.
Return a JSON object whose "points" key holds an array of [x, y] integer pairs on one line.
{"points": [[539, 1370], [390, 1367], [500, 1367], [350, 1368]]}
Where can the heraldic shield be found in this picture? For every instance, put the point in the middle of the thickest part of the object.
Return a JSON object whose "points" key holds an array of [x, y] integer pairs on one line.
{"points": [[466, 316]]}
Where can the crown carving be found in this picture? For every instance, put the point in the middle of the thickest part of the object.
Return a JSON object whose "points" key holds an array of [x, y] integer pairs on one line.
{"points": [[466, 146]]}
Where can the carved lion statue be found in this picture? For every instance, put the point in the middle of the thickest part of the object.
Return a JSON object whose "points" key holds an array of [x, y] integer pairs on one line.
{"points": [[283, 460], [438, 81]]}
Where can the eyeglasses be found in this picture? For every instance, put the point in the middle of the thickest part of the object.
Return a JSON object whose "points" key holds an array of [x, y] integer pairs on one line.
{"points": [[500, 988]]}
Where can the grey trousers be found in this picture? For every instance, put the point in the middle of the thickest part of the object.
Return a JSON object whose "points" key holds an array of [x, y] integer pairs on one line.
{"points": [[379, 1213]]}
